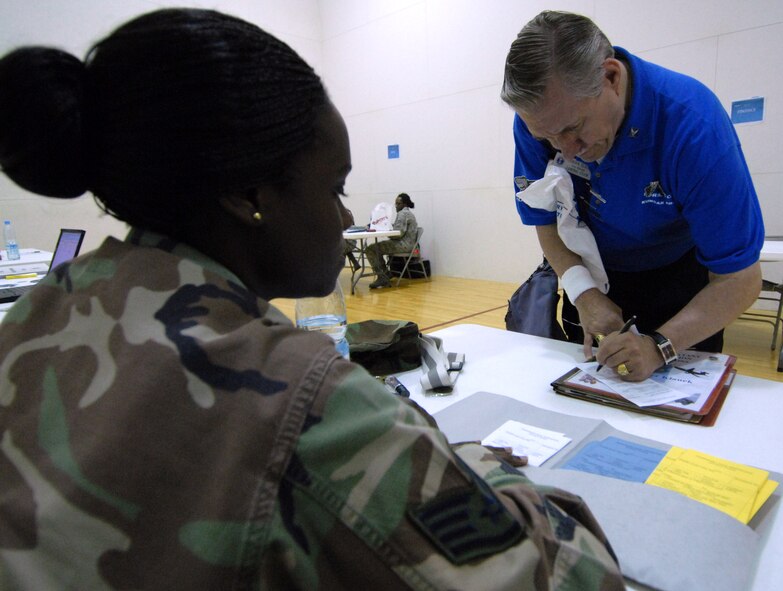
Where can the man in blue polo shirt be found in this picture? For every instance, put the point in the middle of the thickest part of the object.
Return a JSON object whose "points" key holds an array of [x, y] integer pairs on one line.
{"points": [[659, 178]]}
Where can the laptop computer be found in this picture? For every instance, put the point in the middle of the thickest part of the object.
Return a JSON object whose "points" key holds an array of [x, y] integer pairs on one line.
{"points": [[68, 245]]}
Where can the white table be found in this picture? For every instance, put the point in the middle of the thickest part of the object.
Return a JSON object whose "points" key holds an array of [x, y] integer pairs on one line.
{"points": [[363, 237], [27, 255], [748, 429], [30, 257], [772, 250]]}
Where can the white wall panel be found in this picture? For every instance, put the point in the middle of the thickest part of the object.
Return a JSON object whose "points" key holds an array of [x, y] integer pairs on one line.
{"points": [[749, 64], [450, 142], [347, 72], [380, 65], [38, 220], [768, 186], [478, 235], [406, 126], [286, 19], [467, 40], [642, 25], [340, 16], [463, 141], [697, 59], [73, 27]]}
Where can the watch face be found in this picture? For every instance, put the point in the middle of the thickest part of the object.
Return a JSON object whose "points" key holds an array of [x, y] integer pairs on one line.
{"points": [[665, 347], [668, 353]]}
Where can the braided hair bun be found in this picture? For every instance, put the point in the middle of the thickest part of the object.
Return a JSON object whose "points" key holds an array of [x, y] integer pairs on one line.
{"points": [[41, 123], [175, 108]]}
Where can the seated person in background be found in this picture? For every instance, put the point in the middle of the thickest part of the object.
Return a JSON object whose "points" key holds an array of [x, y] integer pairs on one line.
{"points": [[161, 424], [350, 245], [405, 222]]}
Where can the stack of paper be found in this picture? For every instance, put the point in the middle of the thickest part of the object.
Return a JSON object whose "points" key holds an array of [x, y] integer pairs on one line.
{"points": [[735, 489], [692, 389], [534, 443]]}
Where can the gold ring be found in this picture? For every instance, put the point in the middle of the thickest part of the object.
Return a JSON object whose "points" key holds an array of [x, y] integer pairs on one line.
{"points": [[623, 370], [598, 336]]}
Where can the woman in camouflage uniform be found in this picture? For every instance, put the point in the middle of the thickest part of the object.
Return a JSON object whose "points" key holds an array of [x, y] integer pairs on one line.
{"points": [[162, 426], [405, 222]]}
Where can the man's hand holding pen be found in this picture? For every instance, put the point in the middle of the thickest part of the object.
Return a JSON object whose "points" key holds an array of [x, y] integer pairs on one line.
{"points": [[597, 315], [632, 355]]}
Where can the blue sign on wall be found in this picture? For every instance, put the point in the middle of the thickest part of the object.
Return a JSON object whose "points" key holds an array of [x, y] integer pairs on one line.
{"points": [[747, 110], [393, 151]]}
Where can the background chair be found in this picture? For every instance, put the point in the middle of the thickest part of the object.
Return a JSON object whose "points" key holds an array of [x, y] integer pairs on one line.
{"points": [[771, 292], [353, 255], [411, 260]]}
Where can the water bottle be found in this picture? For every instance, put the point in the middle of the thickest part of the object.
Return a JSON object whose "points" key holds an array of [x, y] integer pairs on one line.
{"points": [[326, 315], [11, 246]]}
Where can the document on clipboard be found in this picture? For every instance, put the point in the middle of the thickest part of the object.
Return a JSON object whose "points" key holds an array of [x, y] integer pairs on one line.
{"points": [[691, 389]]}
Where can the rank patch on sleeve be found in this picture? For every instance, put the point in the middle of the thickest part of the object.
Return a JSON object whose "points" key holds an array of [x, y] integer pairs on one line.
{"points": [[467, 524]]}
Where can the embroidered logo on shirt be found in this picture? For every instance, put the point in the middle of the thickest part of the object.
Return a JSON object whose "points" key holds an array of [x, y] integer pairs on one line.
{"points": [[655, 194], [522, 182]]}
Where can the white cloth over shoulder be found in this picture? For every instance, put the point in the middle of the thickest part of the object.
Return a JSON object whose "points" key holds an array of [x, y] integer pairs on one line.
{"points": [[555, 192]]}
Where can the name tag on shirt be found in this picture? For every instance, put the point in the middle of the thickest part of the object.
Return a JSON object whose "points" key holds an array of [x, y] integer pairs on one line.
{"points": [[575, 167]]}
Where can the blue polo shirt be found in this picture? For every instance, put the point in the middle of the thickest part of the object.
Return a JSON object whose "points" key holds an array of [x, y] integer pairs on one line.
{"points": [[675, 178]]}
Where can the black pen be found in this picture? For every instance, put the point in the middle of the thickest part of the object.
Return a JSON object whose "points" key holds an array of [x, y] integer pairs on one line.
{"points": [[397, 386], [626, 327]]}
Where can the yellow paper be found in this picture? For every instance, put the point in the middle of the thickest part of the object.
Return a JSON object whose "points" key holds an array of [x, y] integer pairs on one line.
{"points": [[765, 492], [733, 488]]}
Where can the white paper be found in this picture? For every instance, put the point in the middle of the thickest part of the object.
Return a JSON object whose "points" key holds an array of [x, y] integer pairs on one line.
{"points": [[695, 375], [526, 440], [22, 269], [687, 383], [646, 393]]}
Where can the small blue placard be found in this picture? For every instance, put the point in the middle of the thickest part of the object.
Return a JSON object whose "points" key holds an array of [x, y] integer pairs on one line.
{"points": [[747, 110], [393, 151]]}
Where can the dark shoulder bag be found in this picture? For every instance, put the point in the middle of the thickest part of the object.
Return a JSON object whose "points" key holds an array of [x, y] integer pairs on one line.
{"points": [[384, 347], [533, 307]]}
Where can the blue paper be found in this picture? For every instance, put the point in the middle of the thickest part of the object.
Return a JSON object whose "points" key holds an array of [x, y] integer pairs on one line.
{"points": [[617, 458], [393, 150]]}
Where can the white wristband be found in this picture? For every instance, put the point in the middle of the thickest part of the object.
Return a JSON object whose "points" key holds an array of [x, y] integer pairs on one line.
{"points": [[577, 280]]}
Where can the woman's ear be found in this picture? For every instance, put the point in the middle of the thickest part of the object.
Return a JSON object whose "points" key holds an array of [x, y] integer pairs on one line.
{"points": [[246, 207]]}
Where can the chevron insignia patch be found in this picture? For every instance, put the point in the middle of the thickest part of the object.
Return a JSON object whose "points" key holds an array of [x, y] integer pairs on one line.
{"points": [[467, 524]]}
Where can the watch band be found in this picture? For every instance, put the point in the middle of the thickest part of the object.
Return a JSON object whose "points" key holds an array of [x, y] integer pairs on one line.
{"points": [[665, 347]]}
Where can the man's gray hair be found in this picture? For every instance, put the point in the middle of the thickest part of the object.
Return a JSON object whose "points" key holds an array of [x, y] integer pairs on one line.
{"points": [[560, 45]]}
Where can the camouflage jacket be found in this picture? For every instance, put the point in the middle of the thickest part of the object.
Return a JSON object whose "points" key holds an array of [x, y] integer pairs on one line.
{"points": [[405, 222], [161, 427]]}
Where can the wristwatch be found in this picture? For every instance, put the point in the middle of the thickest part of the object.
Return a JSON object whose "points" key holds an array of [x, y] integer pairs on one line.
{"points": [[665, 347]]}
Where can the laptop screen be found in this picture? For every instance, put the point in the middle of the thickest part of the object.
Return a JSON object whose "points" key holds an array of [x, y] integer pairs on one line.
{"points": [[68, 246]]}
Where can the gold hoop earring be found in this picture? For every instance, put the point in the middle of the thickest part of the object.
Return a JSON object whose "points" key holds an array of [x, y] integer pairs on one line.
{"points": [[257, 216]]}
